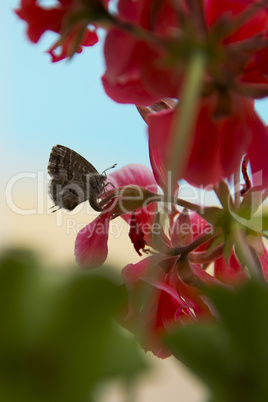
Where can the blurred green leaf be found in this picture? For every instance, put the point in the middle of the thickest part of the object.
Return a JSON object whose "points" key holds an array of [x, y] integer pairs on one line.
{"points": [[230, 355], [216, 216], [228, 247], [264, 221], [58, 338]]}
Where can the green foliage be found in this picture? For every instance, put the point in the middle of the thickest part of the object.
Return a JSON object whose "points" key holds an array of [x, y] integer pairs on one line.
{"points": [[231, 354], [58, 340]]}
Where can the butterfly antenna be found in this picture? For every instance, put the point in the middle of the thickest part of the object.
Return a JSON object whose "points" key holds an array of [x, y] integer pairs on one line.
{"points": [[111, 167]]}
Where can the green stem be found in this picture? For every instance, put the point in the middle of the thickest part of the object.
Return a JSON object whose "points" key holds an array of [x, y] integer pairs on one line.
{"points": [[195, 244], [182, 203], [246, 255], [224, 196], [264, 195], [185, 116]]}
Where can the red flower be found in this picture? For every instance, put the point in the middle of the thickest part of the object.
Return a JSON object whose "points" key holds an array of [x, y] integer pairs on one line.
{"points": [[91, 243], [218, 143], [254, 28], [165, 291], [57, 19], [137, 74], [154, 59], [91, 248], [229, 273], [233, 273], [153, 65]]}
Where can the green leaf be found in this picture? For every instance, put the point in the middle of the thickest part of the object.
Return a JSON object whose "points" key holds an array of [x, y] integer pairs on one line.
{"points": [[228, 247], [224, 195], [58, 338], [231, 354], [216, 216], [250, 203]]}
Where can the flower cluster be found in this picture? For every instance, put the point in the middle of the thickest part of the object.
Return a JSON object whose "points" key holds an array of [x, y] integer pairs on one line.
{"points": [[193, 69], [71, 19]]}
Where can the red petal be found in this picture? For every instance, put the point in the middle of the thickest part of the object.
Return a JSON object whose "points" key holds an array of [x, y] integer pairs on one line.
{"points": [[229, 273], [40, 20], [90, 38], [181, 231], [218, 145], [166, 303], [145, 320], [136, 174], [136, 234], [122, 80], [60, 52], [256, 24], [141, 176], [91, 247], [159, 130], [257, 153]]}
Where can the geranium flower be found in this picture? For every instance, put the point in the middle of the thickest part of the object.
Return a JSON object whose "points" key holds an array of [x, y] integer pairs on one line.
{"points": [[91, 248], [233, 272], [165, 289], [218, 143], [62, 19], [129, 79], [232, 35], [173, 285], [153, 65]]}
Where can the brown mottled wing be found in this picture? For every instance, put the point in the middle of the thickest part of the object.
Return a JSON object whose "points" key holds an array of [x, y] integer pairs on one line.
{"points": [[74, 179]]}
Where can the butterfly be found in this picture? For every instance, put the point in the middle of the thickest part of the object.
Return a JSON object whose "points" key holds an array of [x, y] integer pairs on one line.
{"points": [[74, 179]]}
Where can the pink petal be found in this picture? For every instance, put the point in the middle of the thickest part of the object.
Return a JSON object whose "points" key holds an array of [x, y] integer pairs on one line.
{"points": [[133, 272], [141, 176], [169, 290], [136, 174], [91, 247], [181, 231]]}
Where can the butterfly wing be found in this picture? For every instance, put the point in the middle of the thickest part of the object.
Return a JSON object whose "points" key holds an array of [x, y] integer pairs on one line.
{"points": [[74, 179]]}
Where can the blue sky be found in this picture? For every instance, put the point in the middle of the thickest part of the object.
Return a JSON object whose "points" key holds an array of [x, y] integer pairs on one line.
{"points": [[43, 104]]}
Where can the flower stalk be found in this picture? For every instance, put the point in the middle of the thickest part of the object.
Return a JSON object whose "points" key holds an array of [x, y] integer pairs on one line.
{"points": [[185, 115], [247, 255]]}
